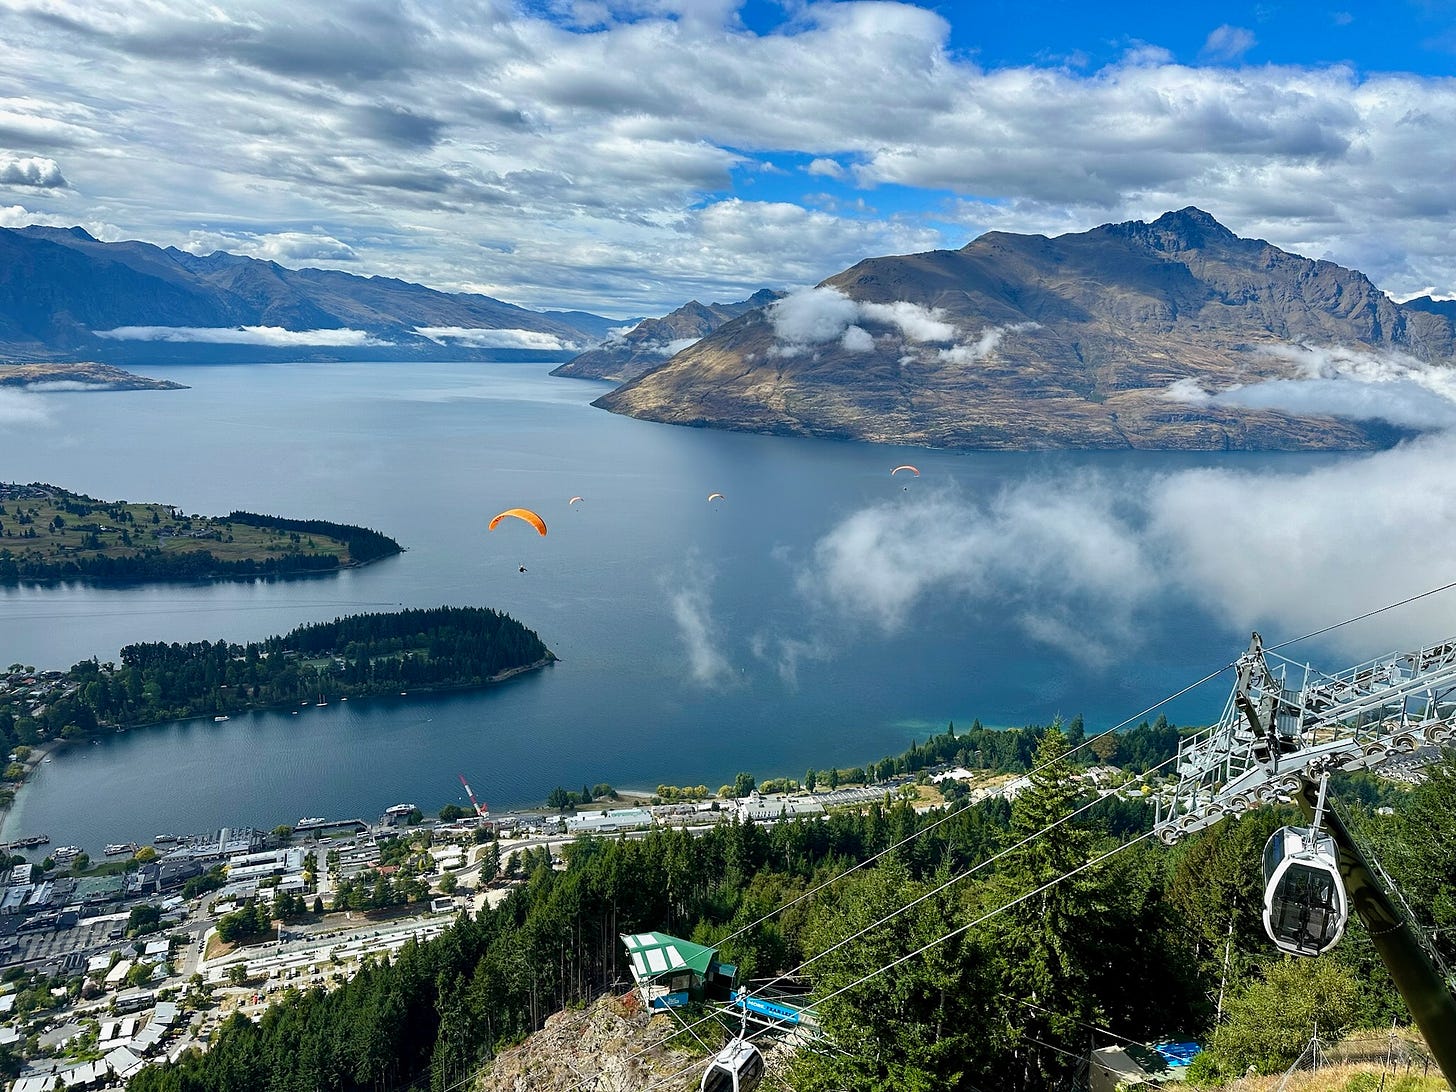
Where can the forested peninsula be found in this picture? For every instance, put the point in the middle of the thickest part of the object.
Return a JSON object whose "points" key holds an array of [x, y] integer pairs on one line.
{"points": [[355, 656], [49, 534]]}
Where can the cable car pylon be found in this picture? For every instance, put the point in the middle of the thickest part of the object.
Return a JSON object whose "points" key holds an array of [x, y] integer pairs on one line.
{"points": [[1284, 730]]}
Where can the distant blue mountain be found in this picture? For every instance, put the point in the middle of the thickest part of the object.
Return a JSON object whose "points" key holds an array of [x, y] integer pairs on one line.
{"points": [[64, 296]]}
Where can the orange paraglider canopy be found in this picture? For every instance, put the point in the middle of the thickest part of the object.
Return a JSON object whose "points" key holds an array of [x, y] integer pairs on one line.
{"points": [[905, 466], [522, 514]]}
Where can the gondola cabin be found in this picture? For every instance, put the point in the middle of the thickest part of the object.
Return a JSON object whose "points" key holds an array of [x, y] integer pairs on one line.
{"points": [[1305, 907], [738, 1067]]}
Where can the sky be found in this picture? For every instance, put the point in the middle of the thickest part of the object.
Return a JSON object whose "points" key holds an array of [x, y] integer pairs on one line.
{"points": [[624, 157]]}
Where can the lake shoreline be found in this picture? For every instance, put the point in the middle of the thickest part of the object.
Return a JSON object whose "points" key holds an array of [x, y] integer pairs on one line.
{"points": [[45, 749]]}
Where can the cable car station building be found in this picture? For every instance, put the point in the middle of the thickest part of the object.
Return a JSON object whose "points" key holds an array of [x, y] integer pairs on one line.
{"points": [[670, 972]]}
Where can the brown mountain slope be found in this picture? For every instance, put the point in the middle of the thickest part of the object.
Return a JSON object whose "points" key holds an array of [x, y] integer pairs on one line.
{"points": [[652, 341], [1020, 341]]}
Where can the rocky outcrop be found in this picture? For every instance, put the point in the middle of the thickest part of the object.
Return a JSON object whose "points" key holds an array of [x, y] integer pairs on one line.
{"points": [[1024, 341]]}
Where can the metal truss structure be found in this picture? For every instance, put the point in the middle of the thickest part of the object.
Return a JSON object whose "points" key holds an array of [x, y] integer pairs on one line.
{"points": [[1286, 723]]}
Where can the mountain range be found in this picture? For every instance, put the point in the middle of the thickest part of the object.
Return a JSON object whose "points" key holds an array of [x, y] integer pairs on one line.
{"points": [[1172, 334], [66, 296], [639, 350]]}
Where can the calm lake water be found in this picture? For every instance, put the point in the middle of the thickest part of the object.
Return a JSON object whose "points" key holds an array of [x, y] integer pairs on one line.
{"points": [[780, 628]]}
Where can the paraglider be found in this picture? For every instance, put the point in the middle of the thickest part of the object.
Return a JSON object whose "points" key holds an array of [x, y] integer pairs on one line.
{"points": [[905, 466], [522, 514], [573, 500], [715, 496], [522, 568]]}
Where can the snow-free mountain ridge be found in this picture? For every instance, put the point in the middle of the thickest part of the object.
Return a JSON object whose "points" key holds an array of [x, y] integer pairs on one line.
{"points": [[1130, 335]]}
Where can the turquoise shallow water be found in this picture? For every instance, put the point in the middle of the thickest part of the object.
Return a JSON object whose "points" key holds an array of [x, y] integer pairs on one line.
{"points": [[767, 632]]}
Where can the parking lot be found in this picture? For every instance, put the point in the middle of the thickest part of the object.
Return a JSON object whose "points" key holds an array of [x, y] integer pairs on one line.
{"points": [[89, 937]]}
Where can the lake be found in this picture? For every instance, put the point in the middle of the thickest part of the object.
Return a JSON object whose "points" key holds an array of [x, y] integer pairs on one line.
{"points": [[823, 611]]}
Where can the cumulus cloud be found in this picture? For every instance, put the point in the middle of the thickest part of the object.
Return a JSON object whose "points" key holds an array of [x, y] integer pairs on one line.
{"points": [[242, 335], [1080, 563], [985, 343], [17, 407], [1006, 557], [31, 171], [691, 605], [480, 338], [826, 168], [1342, 382], [815, 316], [557, 158], [1228, 43], [284, 247]]}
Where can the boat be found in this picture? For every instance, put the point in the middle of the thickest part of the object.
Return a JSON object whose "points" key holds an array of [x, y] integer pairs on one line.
{"points": [[219, 720], [399, 809], [31, 840], [116, 849], [321, 702], [166, 839], [309, 821], [65, 853]]}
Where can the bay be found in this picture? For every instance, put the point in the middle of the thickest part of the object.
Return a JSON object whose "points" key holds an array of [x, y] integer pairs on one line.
{"points": [[694, 637]]}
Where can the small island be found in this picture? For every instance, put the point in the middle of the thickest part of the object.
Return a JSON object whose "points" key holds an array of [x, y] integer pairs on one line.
{"points": [[49, 534], [351, 657], [81, 377]]}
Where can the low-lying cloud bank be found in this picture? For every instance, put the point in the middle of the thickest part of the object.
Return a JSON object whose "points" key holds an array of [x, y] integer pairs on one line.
{"points": [[820, 316], [1079, 563], [19, 407], [483, 338], [242, 335], [1343, 382]]}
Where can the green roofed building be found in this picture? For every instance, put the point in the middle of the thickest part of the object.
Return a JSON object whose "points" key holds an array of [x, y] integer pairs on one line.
{"points": [[670, 972]]}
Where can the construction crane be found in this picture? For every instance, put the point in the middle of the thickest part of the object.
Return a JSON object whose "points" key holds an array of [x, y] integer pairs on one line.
{"points": [[1285, 729], [480, 809]]}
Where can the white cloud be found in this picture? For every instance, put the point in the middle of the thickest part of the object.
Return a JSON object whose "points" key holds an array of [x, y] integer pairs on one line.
{"points": [[455, 144], [692, 609], [34, 171], [18, 407], [283, 247], [241, 335], [857, 339], [1342, 382], [985, 343], [826, 168], [1228, 43], [480, 338], [814, 316], [1082, 562]]}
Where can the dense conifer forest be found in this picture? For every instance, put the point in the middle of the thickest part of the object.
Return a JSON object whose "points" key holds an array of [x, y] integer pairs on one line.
{"points": [[353, 656], [1155, 942]]}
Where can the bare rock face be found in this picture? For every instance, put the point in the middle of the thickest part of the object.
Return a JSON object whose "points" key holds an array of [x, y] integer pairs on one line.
{"points": [[653, 341], [1023, 342], [611, 1045]]}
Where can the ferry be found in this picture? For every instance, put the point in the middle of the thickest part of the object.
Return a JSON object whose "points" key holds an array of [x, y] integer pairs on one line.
{"points": [[399, 809], [166, 839], [309, 821], [219, 720], [65, 853], [116, 849]]}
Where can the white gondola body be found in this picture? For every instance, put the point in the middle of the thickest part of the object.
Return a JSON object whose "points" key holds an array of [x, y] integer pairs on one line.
{"points": [[738, 1067], [1305, 906]]}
